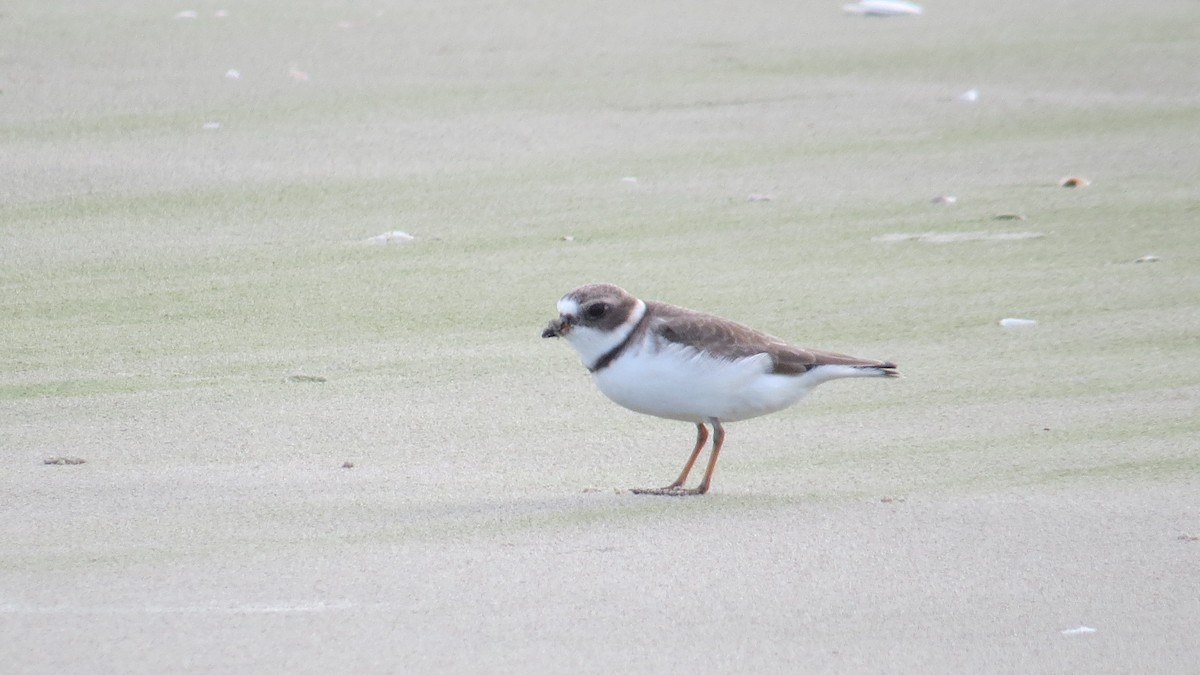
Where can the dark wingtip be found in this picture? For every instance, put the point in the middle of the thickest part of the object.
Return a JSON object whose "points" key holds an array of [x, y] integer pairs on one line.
{"points": [[549, 333]]}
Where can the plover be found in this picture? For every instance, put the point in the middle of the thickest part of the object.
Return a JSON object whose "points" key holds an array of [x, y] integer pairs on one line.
{"points": [[667, 361]]}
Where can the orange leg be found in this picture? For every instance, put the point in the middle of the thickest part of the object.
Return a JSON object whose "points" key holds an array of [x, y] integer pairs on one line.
{"points": [[718, 441], [701, 439], [676, 489]]}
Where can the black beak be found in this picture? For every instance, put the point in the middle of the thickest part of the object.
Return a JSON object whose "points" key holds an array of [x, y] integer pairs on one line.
{"points": [[556, 328]]}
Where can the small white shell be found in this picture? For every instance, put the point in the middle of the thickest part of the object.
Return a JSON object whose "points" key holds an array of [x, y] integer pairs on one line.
{"points": [[883, 8], [396, 237], [1017, 323]]}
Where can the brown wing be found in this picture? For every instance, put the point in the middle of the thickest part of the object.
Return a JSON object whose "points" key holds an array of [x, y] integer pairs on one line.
{"points": [[726, 339]]}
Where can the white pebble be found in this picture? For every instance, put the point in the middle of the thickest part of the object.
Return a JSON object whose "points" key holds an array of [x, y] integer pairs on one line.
{"points": [[211, 125], [187, 14], [970, 95], [233, 74], [1082, 630]]}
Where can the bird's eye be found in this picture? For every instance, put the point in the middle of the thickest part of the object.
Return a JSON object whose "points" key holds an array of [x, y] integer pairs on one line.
{"points": [[596, 311]]}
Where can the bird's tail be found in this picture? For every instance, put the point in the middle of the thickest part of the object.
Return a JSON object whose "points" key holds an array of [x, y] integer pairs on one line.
{"points": [[884, 369], [852, 365]]}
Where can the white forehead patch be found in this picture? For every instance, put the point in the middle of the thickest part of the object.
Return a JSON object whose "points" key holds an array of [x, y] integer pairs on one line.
{"points": [[568, 307]]}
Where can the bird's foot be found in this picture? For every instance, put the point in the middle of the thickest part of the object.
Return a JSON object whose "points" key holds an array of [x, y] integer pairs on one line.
{"points": [[669, 491]]}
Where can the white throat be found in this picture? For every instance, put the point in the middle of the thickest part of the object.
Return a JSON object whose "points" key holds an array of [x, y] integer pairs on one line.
{"points": [[592, 343]]}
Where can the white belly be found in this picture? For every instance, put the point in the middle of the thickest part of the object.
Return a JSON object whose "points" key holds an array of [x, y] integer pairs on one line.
{"points": [[681, 383]]}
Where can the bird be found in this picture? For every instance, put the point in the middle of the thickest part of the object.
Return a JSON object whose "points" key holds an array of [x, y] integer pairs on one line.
{"points": [[679, 364]]}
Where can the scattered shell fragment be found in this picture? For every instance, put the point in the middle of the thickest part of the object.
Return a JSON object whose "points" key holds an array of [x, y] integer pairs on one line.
{"points": [[297, 74], [1148, 258], [186, 14], [1082, 630], [944, 199], [1010, 216], [1073, 181], [758, 197], [1017, 323], [956, 237], [889, 500], [396, 237], [211, 125], [305, 378], [629, 179], [63, 460], [567, 237], [347, 465], [883, 8], [233, 74], [970, 95], [1188, 537]]}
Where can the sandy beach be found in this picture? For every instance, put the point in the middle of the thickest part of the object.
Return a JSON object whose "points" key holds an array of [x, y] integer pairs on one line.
{"points": [[311, 445]]}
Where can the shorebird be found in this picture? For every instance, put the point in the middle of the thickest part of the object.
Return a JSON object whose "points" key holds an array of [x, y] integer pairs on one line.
{"points": [[667, 361]]}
